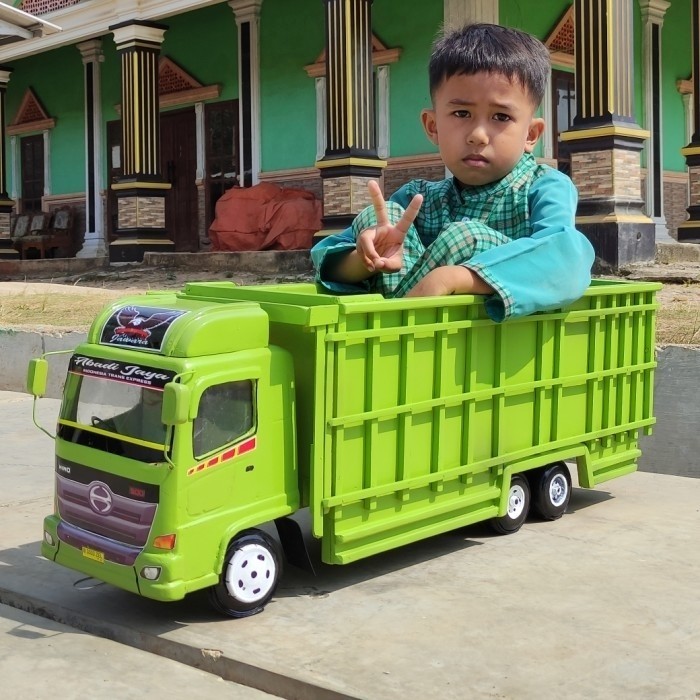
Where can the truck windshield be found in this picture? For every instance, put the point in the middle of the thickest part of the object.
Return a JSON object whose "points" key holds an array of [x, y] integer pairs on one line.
{"points": [[115, 407]]}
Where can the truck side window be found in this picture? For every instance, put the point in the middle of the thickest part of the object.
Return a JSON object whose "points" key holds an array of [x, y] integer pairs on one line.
{"points": [[226, 413]]}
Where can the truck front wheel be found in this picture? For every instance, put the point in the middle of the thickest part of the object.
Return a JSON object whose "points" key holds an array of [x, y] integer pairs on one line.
{"points": [[518, 506], [252, 568]]}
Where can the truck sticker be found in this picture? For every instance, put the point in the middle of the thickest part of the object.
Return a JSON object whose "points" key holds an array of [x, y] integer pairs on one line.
{"points": [[120, 371], [244, 447], [140, 327]]}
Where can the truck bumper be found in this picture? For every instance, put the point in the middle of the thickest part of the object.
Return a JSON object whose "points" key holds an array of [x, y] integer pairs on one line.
{"points": [[166, 587]]}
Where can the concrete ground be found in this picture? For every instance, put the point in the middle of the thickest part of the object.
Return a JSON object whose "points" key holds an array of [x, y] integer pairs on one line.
{"points": [[600, 604], [40, 658]]}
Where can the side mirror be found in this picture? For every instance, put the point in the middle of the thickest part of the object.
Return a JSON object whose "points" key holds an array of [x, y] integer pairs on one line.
{"points": [[37, 375], [176, 404]]}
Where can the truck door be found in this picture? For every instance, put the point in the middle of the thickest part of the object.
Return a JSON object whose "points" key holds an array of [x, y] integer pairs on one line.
{"points": [[224, 439]]}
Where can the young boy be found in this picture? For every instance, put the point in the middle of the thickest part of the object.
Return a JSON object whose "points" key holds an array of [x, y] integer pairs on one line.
{"points": [[503, 225]]}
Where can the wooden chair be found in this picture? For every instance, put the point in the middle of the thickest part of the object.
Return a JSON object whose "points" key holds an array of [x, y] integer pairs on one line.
{"points": [[21, 226], [61, 232], [49, 236]]}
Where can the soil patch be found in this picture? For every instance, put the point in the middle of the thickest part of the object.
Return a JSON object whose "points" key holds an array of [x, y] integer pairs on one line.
{"points": [[71, 303]]}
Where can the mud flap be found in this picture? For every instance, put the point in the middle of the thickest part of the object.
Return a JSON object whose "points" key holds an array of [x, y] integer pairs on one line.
{"points": [[293, 543]]}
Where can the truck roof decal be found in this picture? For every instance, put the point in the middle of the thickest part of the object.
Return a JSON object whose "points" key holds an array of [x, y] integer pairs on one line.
{"points": [[138, 327]]}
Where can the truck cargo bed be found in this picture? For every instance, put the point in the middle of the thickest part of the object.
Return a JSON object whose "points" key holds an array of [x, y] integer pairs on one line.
{"points": [[414, 413]]}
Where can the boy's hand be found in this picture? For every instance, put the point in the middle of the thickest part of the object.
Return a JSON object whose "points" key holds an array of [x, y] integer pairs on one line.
{"points": [[380, 249], [450, 279]]}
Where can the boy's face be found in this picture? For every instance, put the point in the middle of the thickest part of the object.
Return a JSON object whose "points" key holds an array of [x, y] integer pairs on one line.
{"points": [[482, 124]]}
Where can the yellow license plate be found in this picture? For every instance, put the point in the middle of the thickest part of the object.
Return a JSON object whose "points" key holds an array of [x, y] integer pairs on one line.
{"points": [[94, 555]]}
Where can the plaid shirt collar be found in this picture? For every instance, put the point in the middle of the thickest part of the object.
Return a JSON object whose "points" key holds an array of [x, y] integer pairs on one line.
{"points": [[522, 169]]}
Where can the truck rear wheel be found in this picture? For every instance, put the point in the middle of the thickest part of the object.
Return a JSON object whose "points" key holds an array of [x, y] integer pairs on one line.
{"points": [[518, 506], [252, 568], [551, 488]]}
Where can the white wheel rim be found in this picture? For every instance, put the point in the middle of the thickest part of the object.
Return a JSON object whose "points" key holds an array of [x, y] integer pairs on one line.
{"points": [[558, 490], [516, 501], [251, 573]]}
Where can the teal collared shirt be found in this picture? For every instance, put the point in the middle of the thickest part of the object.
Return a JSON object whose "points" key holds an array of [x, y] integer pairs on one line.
{"points": [[546, 262]]}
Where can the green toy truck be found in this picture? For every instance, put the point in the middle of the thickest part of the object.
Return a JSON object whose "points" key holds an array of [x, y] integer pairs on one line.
{"points": [[191, 421]]}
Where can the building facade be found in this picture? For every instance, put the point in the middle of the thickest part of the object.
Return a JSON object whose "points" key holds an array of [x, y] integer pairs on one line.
{"points": [[138, 115]]}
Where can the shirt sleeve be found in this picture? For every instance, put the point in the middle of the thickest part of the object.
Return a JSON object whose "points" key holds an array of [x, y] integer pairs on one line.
{"points": [[547, 270], [328, 251]]}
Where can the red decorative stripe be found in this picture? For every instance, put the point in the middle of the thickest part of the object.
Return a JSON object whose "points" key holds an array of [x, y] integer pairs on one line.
{"points": [[247, 446], [244, 447]]}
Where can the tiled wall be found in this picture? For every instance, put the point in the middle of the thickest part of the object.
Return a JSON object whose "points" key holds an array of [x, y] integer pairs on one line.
{"points": [[41, 7]]}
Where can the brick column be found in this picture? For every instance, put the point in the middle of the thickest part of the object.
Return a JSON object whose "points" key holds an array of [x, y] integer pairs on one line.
{"points": [[351, 157], [7, 252], [689, 231], [605, 141], [141, 189]]}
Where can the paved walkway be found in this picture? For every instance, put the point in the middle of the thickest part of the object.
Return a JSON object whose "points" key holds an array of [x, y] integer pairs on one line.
{"points": [[600, 604]]}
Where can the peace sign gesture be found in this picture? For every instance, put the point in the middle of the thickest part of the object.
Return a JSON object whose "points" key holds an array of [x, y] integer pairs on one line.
{"points": [[380, 249]]}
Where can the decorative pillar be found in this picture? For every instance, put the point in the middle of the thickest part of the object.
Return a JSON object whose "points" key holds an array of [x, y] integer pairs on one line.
{"points": [[351, 157], [94, 245], [141, 189], [7, 252], [605, 142], [653, 12], [460, 12], [247, 14], [689, 231]]}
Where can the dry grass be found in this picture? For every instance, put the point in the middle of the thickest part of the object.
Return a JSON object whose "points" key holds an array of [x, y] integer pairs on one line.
{"points": [[678, 319], [60, 311]]}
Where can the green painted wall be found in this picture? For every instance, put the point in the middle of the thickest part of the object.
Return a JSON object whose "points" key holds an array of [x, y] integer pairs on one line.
{"points": [[675, 47], [414, 34], [61, 92], [110, 77], [205, 44], [291, 36], [539, 22]]}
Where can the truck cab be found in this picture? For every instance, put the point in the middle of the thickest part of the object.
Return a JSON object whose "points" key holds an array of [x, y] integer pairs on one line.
{"points": [[175, 435]]}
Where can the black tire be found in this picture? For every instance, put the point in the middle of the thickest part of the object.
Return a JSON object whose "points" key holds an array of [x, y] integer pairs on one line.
{"points": [[551, 491], [251, 571], [518, 507]]}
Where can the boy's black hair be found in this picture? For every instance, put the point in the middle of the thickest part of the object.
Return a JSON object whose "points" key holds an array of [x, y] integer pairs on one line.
{"points": [[491, 48]]}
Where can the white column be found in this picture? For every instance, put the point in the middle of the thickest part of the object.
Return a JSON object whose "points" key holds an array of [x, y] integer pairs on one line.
{"points": [[321, 114], [247, 14], [94, 245], [688, 114], [548, 114], [47, 162], [201, 137], [383, 121], [689, 117], [460, 12], [653, 12], [14, 155]]}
